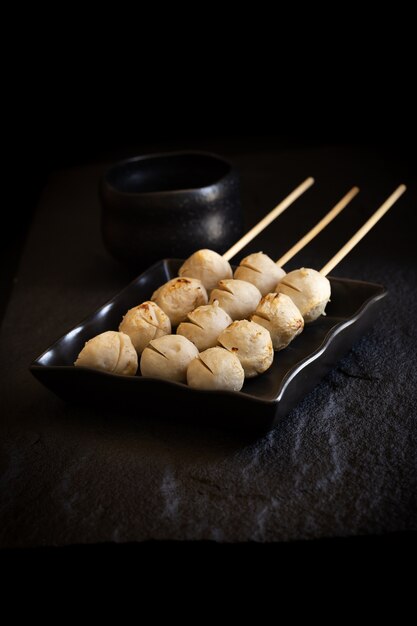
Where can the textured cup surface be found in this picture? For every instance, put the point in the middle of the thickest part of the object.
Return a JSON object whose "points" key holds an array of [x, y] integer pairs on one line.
{"points": [[169, 205]]}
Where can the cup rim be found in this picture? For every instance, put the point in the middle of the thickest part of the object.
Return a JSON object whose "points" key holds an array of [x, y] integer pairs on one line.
{"points": [[105, 181]]}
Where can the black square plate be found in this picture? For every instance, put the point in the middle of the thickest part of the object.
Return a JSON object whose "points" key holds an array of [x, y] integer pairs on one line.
{"points": [[262, 401]]}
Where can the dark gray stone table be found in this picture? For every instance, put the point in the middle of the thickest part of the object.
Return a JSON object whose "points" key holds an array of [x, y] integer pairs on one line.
{"points": [[344, 462]]}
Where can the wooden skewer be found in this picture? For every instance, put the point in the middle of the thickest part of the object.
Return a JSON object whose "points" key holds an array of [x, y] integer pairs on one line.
{"points": [[259, 227], [363, 230], [338, 208]]}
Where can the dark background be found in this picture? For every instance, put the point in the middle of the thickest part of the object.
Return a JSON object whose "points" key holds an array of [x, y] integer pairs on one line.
{"points": [[352, 88], [72, 100], [84, 87], [72, 125]]}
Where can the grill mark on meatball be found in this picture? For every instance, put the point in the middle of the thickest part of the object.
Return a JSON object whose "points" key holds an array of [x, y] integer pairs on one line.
{"points": [[264, 316], [151, 347], [191, 321], [153, 324], [224, 287], [205, 365], [251, 267], [290, 286]]}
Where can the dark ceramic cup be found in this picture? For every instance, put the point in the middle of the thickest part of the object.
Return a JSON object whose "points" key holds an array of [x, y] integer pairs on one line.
{"points": [[169, 205]]}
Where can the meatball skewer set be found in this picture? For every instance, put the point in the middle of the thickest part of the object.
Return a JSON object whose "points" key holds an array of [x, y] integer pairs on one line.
{"points": [[229, 350], [117, 352]]}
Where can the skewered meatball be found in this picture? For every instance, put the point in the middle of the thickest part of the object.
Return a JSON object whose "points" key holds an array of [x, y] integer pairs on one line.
{"points": [[143, 323], [277, 313], [168, 357], [260, 270], [179, 296], [238, 298], [204, 325], [110, 352], [252, 345], [308, 289], [207, 266], [216, 368]]}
